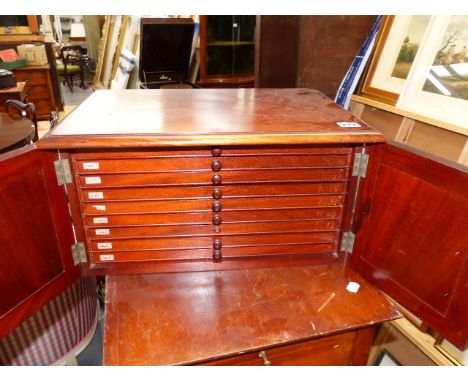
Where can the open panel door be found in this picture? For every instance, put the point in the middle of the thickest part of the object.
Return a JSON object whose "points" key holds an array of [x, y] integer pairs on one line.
{"points": [[411, 228], [36, 235]]}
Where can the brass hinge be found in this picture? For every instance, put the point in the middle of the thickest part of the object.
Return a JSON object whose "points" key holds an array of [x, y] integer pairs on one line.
{"points": [[360, 164], [62, 170], [79, 253], [347, 242]]}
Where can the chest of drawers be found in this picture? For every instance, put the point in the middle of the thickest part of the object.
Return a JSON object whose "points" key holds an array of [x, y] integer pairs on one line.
{"points": [[230, 224]]}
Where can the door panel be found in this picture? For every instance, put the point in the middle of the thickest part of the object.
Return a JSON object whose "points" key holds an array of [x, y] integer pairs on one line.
{"points": [[411, 224], [35, 236]]}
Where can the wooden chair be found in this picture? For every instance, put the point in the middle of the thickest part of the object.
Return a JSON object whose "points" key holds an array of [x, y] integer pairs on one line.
{"points": [[73, 63]]}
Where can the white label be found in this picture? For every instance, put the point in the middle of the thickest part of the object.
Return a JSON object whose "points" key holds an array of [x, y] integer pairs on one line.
{"points": [[93, 180], [100, 220], [107, 257], [102, 231], [96, 195], [104, 245], [352, 287], [348, 124], [99, 207], [91, 165]]}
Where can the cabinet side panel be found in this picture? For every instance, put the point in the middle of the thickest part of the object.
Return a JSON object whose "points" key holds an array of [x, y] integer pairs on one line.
{"points": [[411, 235], [35, 236]]}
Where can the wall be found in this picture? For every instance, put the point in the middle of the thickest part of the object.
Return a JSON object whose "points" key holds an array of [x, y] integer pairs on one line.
{"points": [[327, 47]]}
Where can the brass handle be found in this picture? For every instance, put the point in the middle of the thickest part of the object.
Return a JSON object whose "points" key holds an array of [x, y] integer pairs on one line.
{"points": [[266, 361], [216, 165], [216, 152], [217, 254], [217, 220], [216, 179], [216, 206], [217, 193], [217, 244]]}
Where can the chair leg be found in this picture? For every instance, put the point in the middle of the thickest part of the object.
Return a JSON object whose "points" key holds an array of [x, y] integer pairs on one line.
{"points": [[69, 83]]}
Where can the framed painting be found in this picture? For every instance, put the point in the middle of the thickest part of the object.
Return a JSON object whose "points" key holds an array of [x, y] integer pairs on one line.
{"points": [[437, 85], [396, 47]]}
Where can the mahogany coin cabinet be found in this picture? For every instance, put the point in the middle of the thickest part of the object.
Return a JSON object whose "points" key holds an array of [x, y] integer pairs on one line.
{"points": [[235, 227]]}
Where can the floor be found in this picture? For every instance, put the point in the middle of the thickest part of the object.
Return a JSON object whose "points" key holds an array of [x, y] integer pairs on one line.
{"points": [[92, 354]]}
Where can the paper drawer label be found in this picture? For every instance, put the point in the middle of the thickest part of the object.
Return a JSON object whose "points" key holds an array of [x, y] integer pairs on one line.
{"points": [[96, 195], [104, 245], [106, 257], [102, 231], [100, 220], [99, 207], [91, 165], [93, 180], [348, 124]]}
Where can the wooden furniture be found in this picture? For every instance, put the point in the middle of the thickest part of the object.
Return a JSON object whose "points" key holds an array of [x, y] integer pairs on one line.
{"points": [[18, 93], [38, 88], [17, 129], [227, 51], [73, 62], [265, 191]]}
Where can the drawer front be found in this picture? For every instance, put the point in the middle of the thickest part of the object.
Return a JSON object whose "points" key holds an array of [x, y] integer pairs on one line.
{"points": [[206, 254], [164, 164], [38, 92], [32, 77], [336, 350], [207, 241], [208, 229]]}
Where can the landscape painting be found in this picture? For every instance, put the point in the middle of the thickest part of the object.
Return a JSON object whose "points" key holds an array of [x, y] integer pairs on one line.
{"points": [[410, 45], [449, 71]]}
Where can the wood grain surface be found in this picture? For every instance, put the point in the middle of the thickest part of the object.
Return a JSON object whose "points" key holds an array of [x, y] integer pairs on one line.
{"points": [[161, 118], [188, 318]]}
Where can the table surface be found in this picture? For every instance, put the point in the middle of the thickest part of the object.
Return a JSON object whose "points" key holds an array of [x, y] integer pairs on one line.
{"points": [[14, 131], [17, 89], [182, 318]]}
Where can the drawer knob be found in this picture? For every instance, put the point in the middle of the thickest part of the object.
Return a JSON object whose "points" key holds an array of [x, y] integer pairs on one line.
{"points": [[266, 361], [217, 220], [217, 254], [217, 193], [216, 179], [216, 152], [217, 244], [216, 206], [216, 165]]}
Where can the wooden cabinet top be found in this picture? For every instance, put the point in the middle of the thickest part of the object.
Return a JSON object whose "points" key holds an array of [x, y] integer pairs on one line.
{"points": [[188, 117], [186, 318]]}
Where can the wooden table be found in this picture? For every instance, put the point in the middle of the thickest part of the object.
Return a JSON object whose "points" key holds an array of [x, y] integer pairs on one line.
{"points": [[14, 133], [18, 92]]}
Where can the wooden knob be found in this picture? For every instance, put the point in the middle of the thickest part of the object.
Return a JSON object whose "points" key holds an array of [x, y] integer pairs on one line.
{"points": [[216, 220], [216, 165], [216, 179], [216, 206], [217, 244], [216, 151], [217, 193], [217, 254]]}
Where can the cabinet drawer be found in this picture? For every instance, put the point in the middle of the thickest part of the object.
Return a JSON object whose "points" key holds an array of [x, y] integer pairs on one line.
{"points": [[32, 77], [38, 92], [206, 254], [130, 165], [336, 350], [207, 241], [224, 177], [193, 205], [207, 229]]}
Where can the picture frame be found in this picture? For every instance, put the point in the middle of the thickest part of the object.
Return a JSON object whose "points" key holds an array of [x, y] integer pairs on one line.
{"points": [[385, 358], [396, 47], [437, 85]]}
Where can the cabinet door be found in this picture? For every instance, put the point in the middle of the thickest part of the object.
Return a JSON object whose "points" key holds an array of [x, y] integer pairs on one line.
{"points": [[412, 235], [35, 236]]}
